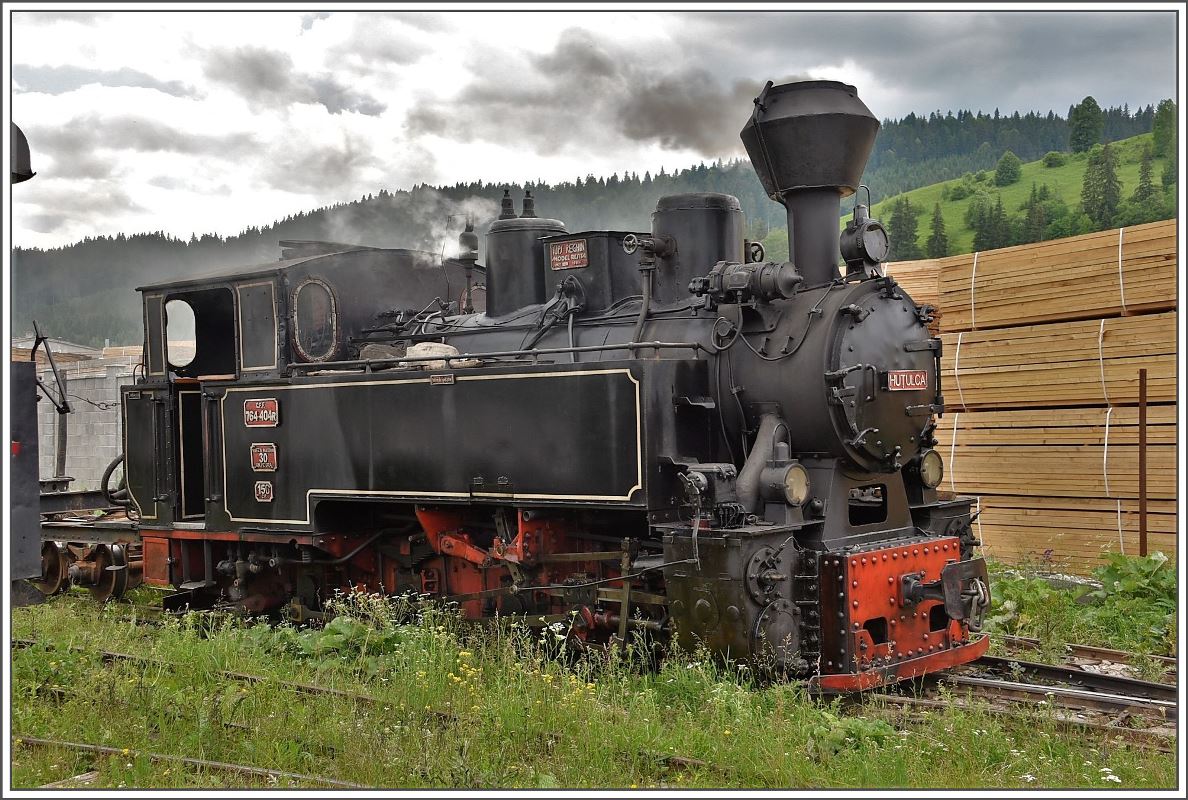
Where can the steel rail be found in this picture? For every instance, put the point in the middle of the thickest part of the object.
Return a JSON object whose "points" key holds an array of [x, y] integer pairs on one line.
{"points": [[1161, 739], [1064, 697], [1084, 650], [1095, 681], [200, 763]]}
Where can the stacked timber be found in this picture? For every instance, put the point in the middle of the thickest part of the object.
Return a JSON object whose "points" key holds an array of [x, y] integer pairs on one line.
{"points": [[1091, 362], [1043, 344], [1071, 533], [1120, 271], [1071, 453]]}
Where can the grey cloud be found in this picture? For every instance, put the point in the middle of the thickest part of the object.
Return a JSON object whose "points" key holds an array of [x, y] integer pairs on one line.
{"points": [[88, 133], [269, 78], [337, 97], [594, 92], [379, 41], [49, 17], [431, 22], [46, 223], [308, 20], [296, 166], [62, 200], [59, 80], [167, 182], [258, 74], [1021, 60], [84, 164]]}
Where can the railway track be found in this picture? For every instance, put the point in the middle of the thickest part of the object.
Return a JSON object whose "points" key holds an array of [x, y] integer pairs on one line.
{"points": [[195, 763], [1137, 711], [1085, 652]]}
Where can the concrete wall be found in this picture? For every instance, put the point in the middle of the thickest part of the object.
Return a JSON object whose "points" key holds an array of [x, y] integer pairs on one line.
{"points": [[94, 436]]}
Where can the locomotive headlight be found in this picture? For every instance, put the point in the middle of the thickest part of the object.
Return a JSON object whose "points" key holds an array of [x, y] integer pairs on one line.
{"points": [[931, 469], [796, 485]]}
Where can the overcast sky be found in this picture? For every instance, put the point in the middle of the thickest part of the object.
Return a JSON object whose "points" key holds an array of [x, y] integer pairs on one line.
{"points": [[214, 121]]}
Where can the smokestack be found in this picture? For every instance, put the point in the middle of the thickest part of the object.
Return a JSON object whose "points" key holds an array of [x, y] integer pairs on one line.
{"points": [[507, 211], [529, 206], [809, 142]]}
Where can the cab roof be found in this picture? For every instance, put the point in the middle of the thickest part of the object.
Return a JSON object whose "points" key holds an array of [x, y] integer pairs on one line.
{"points": [[271, 268]]}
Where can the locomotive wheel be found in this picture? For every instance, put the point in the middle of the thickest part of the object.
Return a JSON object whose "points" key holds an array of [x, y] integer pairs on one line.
{"points": [[111, 569], [55, 569]]}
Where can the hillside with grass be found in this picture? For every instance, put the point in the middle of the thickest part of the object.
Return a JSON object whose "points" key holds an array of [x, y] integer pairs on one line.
{"points": [[1055, 181]]}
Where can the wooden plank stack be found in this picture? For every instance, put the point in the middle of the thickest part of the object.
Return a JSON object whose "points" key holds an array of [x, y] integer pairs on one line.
{"points": [[1042, 348], [1089, 363], [1119, 271]]}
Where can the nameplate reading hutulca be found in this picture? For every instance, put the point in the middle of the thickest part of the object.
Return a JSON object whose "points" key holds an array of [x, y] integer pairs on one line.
{"points": [[906, 380]]}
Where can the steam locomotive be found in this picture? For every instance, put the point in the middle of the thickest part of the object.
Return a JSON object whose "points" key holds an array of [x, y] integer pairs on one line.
{"points": [[654, 431]]}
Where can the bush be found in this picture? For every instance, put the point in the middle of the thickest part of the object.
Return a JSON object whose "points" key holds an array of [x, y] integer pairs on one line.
{"points": [[1135, 608], [1009, 169], [1055, 159], [956, 191], [981, 176]]}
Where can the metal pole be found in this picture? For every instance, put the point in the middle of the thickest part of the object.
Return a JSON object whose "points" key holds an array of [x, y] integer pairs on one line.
{"points": [[1142, 465], [60, 445]]}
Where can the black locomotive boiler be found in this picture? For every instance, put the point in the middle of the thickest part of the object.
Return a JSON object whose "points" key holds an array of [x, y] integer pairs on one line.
{"points": [[651, 430]]}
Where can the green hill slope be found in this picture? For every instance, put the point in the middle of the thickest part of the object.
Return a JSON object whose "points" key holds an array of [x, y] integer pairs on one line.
{"points": [[1064, 182]]}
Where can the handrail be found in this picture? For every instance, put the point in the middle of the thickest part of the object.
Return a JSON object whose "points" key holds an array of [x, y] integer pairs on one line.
{"points": [[592, 348]]}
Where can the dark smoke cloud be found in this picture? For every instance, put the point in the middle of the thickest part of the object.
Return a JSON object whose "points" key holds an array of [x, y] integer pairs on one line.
{"points": [[59, 80], [570, 94], [269, 78]]}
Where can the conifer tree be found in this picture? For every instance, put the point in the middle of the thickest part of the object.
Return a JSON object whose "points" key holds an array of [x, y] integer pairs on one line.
{"points": [[1164, 128], [1086, 121], [1101, 190], [901, 230], [1146, 186], [938, 241]]}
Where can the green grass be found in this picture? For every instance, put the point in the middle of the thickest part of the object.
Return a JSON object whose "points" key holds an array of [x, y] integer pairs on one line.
{"points": [[1065, 182], [460, 707]]}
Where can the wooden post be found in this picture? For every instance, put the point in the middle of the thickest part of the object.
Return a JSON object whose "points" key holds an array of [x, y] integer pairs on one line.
{"points": [[1142, 462]]}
